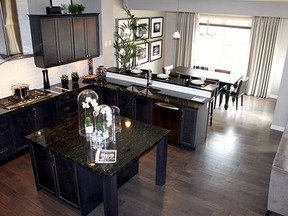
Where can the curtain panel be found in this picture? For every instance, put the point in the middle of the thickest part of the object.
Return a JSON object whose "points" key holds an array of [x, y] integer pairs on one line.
{"points": [[187, 24], [263, 39]]}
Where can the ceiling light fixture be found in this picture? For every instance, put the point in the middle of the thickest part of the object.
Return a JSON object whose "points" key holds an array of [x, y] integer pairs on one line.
{"points": [[176, 34]]}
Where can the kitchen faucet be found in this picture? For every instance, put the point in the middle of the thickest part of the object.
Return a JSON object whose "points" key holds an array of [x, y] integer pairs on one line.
{"points": [[149, 77]]}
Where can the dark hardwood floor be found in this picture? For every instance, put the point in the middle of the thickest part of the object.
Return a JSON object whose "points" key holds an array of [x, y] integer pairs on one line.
{"points": [[228, 175]]}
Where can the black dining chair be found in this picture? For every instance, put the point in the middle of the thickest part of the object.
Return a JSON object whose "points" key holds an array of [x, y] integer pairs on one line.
{"points": [[213, 98], [237, 92]]}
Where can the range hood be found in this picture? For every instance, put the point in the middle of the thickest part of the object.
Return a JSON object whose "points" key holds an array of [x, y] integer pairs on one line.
{"points": [[10, 40]]}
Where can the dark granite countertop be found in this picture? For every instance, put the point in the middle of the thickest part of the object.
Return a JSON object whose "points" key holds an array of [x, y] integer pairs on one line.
{"points": [[177, 98], [63, 138], [175, 80]]}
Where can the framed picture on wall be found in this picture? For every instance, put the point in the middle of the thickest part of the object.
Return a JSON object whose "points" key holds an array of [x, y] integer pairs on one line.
{"points": [[60, 3], [155, 50], [122, 24], [143, 56], [143, 32], [156, 27]]}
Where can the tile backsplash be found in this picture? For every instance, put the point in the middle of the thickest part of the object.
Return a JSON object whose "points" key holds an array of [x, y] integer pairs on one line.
{"points": [[25, 71]]}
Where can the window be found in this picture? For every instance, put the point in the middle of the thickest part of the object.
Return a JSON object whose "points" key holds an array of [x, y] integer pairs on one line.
{"points": [[223, 42]]}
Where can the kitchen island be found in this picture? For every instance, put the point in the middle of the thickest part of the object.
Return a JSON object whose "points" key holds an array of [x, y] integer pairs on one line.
{"points": [[64, 162]]}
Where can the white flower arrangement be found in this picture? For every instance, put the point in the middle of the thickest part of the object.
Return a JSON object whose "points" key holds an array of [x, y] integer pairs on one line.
{"points": [[86, 105], [105, 111]]}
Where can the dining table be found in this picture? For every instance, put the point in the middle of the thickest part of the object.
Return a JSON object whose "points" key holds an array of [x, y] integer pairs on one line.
{"points": [[227, 80]]}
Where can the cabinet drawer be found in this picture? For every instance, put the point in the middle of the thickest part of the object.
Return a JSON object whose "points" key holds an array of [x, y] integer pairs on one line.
{"points": [[68, 108], [67, 97], [6, 149], [4, 133], [3, 120]]}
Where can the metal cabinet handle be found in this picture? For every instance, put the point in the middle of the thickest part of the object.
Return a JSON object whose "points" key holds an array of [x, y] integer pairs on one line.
{"points": [[167, 106], [66, 108], [4, 150]]}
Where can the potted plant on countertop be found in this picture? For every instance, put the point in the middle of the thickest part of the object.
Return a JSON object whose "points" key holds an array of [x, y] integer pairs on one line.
{"points": [[126, 35], [75, 77], [64, 80]]}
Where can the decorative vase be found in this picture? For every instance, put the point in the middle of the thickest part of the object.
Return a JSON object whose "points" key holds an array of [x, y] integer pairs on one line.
{"points": [[101, 72], [87, 103]]}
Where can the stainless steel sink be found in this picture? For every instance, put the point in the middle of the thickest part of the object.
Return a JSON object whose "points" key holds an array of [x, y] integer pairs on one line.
{"points": [[142, 90]]}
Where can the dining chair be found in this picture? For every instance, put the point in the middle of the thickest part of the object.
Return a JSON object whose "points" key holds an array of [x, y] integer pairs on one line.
{"points": [[237, 92], [213, 100], [240, 91], [167, 69]]}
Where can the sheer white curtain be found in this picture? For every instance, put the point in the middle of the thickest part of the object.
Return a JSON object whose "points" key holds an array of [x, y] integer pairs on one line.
{"points": [[188, 23], [263, 39]]}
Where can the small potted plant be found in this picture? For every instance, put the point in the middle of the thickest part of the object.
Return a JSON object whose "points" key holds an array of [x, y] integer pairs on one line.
{"points": [[64, 80], [75, 77], [72, 8], [76, 8], [80, 8]]}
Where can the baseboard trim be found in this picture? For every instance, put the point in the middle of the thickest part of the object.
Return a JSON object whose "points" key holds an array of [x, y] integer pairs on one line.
{"points": [[273, 96], [278, 128]]}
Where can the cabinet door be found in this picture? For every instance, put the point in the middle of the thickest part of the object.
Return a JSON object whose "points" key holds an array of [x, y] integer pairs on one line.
{"points": [[86, 36], [46, 114], [79, 37], [57, 37], [188, 127], [43, 165], [92, 30], [65, 40], [108, 97], [22, 122], [143, 109], [66, 180], [49, 38], [126, 104]]}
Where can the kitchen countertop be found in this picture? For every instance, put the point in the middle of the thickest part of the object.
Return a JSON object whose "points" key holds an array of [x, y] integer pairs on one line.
{"points": [[131, 142], [170, 96]]}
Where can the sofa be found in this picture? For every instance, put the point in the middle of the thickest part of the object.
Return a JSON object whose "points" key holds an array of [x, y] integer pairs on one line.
{"points": [[278, 186]]}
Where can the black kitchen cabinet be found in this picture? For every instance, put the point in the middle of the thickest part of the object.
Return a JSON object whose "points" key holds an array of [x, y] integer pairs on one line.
{"points": [[67, 187], [67, 103], [85, 31], [55, 174], [61, 39], [43, 165], [193, 126], [52, 40], [108, 96], [70, 181], [29, 119], [126, 104], [6, 146], [143, 109]]}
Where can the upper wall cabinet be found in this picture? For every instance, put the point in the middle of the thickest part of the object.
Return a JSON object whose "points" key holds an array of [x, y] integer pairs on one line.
{"points": [[62, 39]]}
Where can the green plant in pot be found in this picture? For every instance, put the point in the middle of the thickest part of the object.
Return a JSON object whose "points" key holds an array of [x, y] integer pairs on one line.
{"points": [[75, 77], [64, 80], [126, 35], [76, 8]]}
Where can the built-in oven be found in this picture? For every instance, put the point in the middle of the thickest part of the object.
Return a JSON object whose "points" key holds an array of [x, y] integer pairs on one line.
{"points": [[168, 116]]}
